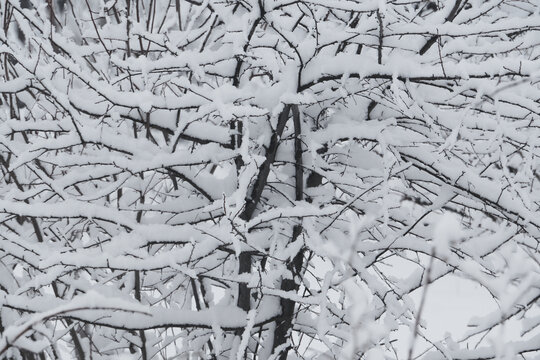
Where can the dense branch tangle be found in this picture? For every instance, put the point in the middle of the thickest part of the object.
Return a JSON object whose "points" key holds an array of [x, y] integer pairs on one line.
{"points": [[243, 177]]}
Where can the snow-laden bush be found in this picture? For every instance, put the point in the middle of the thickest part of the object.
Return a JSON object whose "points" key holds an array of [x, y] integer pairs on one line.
{"points": [[267, 179]]}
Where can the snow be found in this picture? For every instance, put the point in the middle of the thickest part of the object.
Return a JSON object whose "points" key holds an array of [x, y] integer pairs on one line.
{"points": [[446, 233], [132, 138]]}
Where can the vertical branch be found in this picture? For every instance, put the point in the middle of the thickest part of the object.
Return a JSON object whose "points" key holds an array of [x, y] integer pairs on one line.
{"points": [[252, 202], [128, 28], [298, 163], [237, 125], [199, 308], [244, 259], [179, 15], [244, 267], [381, 36], [264, 170], [138, 280], [51, 16], [138, 15], [283, 329], [142, 335]]}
